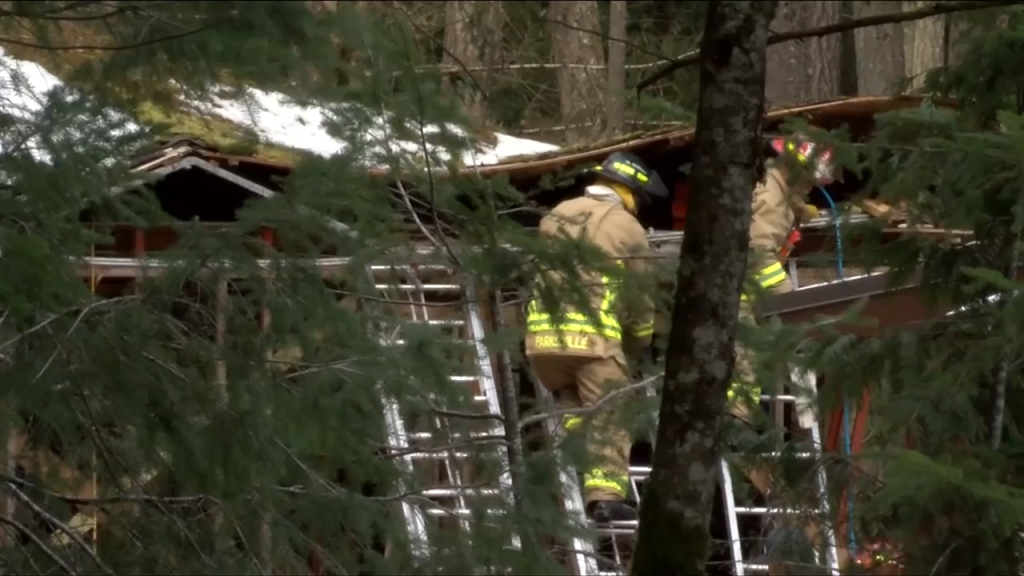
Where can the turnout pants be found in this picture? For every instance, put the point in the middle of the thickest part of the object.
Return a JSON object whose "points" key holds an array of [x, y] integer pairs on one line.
{"points": [[579, 382], [745, 393], [744, 397]]}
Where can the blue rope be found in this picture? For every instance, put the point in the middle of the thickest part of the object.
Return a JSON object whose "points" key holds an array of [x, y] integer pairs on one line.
{"points": [[847, 439]]}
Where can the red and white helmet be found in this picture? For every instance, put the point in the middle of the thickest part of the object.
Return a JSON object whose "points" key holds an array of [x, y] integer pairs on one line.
{"points": [[805, 151]]}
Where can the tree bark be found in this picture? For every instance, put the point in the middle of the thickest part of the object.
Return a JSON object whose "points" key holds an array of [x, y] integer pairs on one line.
{"points": [[848, 83], [803, 72], [472, 39], [576, 39], [924, 44], [879, 51], [675, 516], [615, 102]]}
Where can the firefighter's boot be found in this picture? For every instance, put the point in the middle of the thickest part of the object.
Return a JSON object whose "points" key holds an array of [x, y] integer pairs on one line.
{"points": [[605, 511]]}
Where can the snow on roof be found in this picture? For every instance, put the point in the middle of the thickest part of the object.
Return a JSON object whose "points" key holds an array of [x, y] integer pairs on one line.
{"points": [[26, 87], [25, 90], [279, 120]]}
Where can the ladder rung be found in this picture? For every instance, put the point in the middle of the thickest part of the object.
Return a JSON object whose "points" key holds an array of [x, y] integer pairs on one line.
{"points": [[759, 510], [779, 398], [386, 267], [616, 525], [456, 437], [419, 287], [640, 471], [801, 455], [754, 567], [613, 531], [401, 342], [448, 322], [459, 512], [459, 490], [435, 455], [644, 472]]}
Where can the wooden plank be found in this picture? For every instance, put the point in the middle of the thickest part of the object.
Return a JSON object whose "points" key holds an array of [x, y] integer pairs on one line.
{"points": [[876, 208], [888, 306]]}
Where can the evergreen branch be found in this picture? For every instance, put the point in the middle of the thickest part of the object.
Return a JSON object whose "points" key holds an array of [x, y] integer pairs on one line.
{"points": [[107, 48], [475, 441], [53, 317], [449, 70], [412, 211], [937, 9], [54, 15], [601, 404], [37, 541], [16, 482], [62, 527], [465, 415]]}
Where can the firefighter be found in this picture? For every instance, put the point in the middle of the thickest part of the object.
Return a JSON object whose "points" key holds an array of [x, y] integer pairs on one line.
{"points": [[580, 355], [779, 206]]}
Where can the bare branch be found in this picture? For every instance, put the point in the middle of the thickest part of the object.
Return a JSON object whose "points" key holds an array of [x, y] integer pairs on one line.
{"points": [[62, 527], [937, 9], [601, 404], [106, 48], [35, 540]]}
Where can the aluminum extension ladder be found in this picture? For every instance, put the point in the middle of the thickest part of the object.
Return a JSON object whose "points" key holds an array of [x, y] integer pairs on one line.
{"points": [[741, 566], [414, 446], [582, 558], [805, 387]]}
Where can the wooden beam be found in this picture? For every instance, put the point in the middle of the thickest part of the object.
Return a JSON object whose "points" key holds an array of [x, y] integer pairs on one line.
{"points": [[876, 208], [888, 305]]}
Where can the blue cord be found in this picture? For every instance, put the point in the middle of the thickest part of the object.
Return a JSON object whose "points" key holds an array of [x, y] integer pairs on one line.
{"points": [[847, 440]]}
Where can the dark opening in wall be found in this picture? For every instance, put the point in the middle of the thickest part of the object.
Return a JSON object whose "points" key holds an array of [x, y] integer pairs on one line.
{"points": [[195, 194], [186, 195]]}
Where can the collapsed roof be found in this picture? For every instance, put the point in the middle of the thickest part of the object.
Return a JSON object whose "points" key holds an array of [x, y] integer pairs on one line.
{"points": [[275, 121]]}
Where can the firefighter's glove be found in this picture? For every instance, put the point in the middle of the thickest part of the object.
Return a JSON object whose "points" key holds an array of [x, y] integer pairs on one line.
{"points": [[806, 212]]}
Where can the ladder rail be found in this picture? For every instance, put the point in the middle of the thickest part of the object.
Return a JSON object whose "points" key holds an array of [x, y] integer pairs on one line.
{"points": [[418, 300], [802, 399], [398, 436], [732, 519], [583, 561], [412, 292], [476, 332]]}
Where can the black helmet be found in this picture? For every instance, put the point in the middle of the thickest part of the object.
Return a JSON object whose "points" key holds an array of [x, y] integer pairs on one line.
{"points": [[629, 170]]}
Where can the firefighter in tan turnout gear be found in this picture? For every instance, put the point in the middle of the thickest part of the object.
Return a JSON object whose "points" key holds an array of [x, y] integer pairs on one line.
{"points": [[580, 355], [779, 207]]}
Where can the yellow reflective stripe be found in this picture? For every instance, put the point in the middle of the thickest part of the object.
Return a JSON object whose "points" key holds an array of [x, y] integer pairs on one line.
{"points": [[630, 171], [644, 330], [584, 328], [601, 479], [572, 317], [771, 275], [569, 422], [537, 321]]}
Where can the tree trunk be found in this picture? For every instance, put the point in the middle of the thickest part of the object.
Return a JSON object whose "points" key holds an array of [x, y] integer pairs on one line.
{"points": [[616, 98], [957, 32], [472, 39], [924, 44], [576, 44], [676, 513], [879, 51], [807, 71], [848, 83]]}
